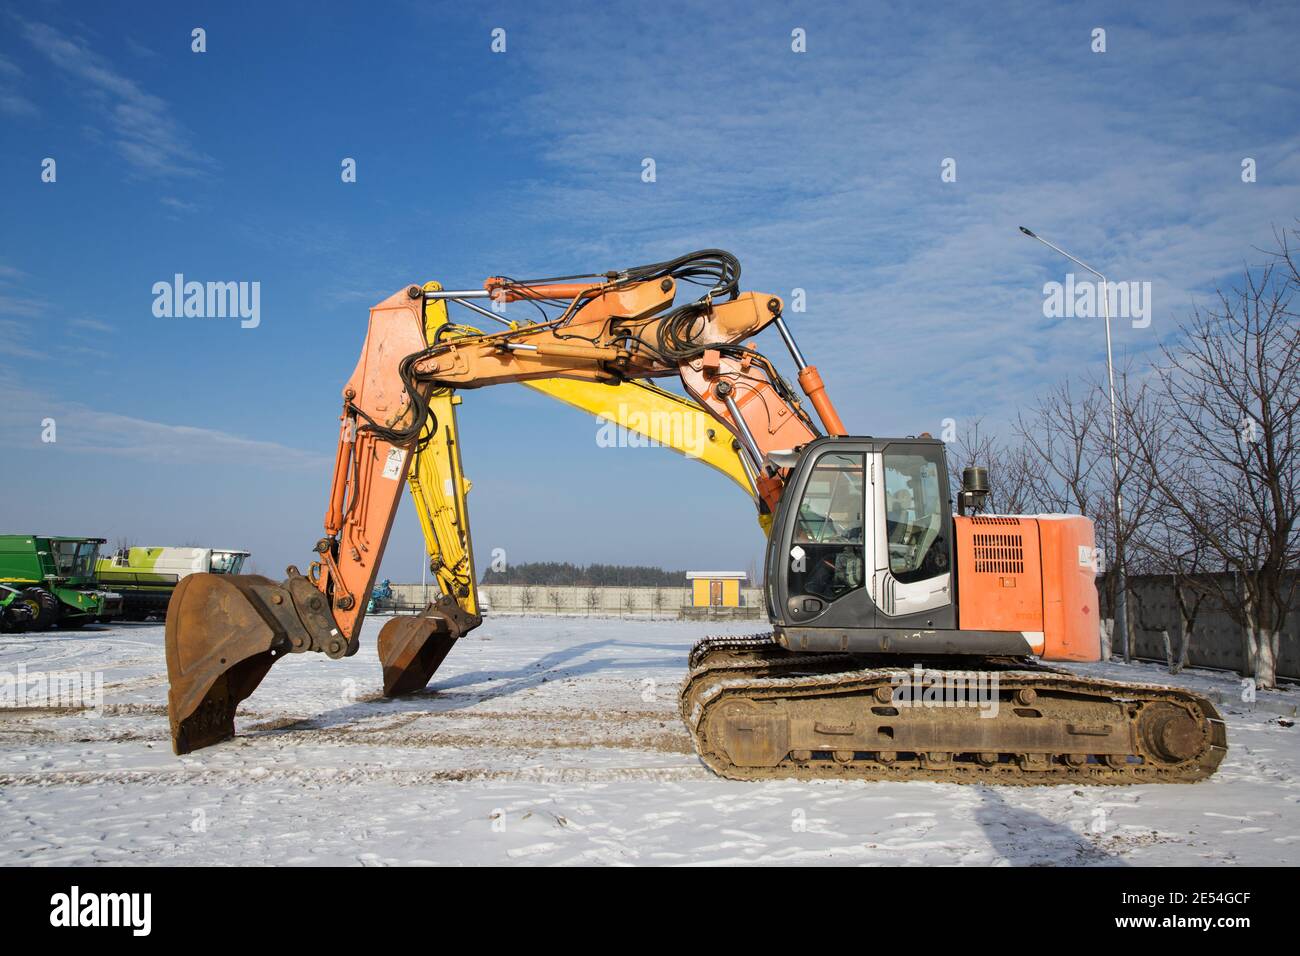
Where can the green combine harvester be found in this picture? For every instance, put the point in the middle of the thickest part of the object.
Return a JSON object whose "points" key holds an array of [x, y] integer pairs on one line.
{"points": [[55, 579], [146, 577]]}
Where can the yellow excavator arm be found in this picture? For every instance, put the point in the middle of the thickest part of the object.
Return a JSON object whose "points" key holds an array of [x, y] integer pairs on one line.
{"points": [[437, 482], [438, 485]]}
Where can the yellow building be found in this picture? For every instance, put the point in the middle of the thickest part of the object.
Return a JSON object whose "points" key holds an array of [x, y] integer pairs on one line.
{"points": [[715, 588]]}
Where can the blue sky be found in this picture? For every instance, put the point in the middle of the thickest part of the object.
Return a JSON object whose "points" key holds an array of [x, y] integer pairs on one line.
{"points": [[820, 170]]}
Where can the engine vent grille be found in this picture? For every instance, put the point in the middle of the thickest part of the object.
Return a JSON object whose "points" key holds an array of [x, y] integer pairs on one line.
{"points": [[999, 553], [993, 519]]}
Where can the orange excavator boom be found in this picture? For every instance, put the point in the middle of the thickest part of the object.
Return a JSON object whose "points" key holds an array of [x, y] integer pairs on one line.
{"points": [[224, 632]]}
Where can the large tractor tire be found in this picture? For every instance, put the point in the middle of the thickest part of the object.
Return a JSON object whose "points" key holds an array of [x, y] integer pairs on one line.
{"points": [[45, 607]]}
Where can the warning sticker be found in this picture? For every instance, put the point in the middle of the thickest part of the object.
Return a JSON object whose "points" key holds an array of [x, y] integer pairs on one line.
{"points": [[1094, 558], [393, 465]]}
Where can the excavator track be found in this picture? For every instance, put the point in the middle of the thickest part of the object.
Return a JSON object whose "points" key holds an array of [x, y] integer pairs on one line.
{"points": [[750, 655], [756, 711], [720, 647]]}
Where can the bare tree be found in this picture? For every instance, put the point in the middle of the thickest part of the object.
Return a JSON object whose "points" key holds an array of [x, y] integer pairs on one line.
{"points": [[1009, 468], [1067, 439], [1138, 410], [1225, 450], [1060, 436], [660, 601], [556, 599], [1170, 547], [1164, 543], [592, 600]]}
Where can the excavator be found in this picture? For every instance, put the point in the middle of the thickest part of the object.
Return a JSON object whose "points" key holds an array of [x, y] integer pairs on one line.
{"points": [[907, 642]]}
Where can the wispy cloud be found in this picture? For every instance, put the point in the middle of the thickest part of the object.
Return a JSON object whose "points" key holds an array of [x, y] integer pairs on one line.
{"points": [[34, 330], [143, 129], [822, 171], [13, 341], [12, 102], [94, 325], [21, 305], [15, 104], [139, 49], [18, 310], [86, 430]]}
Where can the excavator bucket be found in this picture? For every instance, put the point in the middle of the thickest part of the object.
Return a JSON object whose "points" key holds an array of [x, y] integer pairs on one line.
{"points": [[220, 640], [225, 631], [412, 648]]}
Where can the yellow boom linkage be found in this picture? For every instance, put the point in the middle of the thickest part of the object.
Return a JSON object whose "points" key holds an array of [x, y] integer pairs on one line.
{"points": [[439, 487], [437, 481]]}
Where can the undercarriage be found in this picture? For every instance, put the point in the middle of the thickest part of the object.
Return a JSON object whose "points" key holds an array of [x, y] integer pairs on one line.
{"points": [[756, 711]]}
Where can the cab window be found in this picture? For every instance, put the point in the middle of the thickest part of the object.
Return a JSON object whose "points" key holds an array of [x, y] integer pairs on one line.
{"points": [[914, 513], [826, 557]]}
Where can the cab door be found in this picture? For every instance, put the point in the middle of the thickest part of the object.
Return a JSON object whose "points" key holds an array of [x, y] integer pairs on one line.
{"points": [[821, 553], [912, 580]]}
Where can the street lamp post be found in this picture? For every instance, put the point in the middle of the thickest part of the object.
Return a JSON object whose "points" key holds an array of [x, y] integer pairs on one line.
{"points": [[1121, 599]]}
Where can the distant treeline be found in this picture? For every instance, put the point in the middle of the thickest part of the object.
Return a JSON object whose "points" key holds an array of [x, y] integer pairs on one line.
{"points": [[593, 575]]}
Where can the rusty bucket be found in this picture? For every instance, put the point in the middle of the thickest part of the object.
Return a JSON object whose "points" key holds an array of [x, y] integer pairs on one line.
{"points": [[412, 648], [220, 643]]}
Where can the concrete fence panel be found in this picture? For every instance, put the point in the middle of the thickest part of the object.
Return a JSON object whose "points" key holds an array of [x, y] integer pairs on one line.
{"points": [[576, 600]]}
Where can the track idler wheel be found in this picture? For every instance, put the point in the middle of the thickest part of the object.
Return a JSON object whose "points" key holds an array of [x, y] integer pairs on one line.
{"points": [[1171, 732], [411, 649]]}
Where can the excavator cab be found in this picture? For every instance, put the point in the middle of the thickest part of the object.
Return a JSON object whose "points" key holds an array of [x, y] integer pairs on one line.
{"points": [[862, 552]]}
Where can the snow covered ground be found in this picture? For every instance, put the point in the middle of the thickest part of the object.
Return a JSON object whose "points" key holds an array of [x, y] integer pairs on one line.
{"points": [[550, 741]]}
